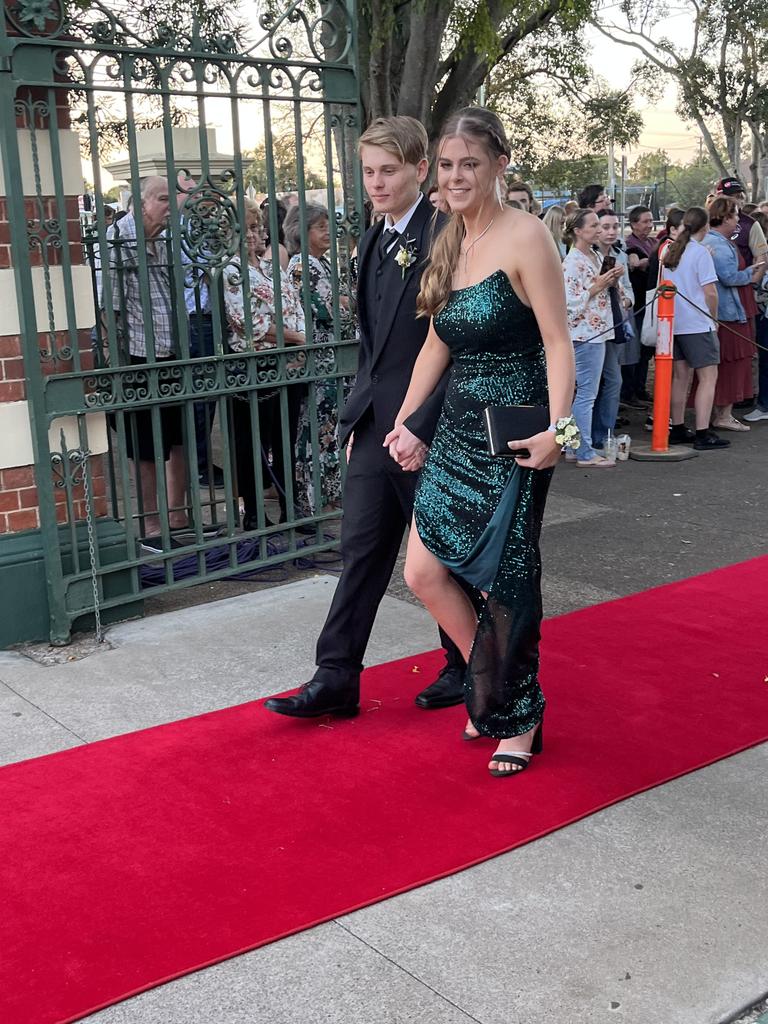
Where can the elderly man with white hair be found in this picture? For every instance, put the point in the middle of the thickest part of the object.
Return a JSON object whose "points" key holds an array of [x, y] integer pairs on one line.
{"points": [[147, 331]]}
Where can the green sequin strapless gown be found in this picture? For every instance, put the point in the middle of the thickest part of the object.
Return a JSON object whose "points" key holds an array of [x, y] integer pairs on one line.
{"points": [[480, 514]]}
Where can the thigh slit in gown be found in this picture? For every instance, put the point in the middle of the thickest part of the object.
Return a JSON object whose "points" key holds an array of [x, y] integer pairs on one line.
{"points": [[480, 514]]}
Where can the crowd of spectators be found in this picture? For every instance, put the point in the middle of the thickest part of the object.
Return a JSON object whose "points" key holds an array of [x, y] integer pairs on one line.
{"points": [[716, 256], [286, 437], [282, 439]]}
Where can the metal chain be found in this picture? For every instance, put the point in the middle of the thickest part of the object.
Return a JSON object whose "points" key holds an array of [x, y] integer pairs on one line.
{"points": [[657, 292], [630, 316], [85, 455], [721, 323]]}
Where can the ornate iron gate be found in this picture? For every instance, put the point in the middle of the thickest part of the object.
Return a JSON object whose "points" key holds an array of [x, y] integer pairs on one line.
{"points": [[83, 82]]}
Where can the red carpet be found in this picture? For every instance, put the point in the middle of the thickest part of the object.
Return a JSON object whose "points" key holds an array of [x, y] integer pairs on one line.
{"points": [[132, 861]]}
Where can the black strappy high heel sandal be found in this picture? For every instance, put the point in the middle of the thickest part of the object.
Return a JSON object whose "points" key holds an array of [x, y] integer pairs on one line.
{"points": [[520, 758]]}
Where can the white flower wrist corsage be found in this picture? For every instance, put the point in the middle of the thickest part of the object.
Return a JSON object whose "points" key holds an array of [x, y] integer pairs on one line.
{"points": [[567, 434]]}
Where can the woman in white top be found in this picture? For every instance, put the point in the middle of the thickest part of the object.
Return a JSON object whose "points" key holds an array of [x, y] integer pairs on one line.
{"points": [[590, 321], [690, 267]]}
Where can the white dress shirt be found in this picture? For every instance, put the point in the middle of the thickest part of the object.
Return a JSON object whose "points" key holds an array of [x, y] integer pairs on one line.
{"points": [[400, 225]]}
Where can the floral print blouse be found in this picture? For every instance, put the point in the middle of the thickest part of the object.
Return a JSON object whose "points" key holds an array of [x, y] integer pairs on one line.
{"points": [[321, 297], [587, 316], [261, 292]]}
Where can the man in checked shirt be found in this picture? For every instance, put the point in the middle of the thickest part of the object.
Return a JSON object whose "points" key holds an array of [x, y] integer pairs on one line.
{"points": [[140, 328]]}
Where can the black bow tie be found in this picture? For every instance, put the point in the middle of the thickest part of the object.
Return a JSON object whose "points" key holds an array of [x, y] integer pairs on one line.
{"points": [[388, 236]]}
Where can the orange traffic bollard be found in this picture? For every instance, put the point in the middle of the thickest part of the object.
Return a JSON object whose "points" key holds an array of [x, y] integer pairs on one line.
{"points": [[662, 389]]}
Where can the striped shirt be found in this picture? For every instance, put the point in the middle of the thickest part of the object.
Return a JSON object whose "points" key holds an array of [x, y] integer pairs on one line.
{"points": [[126, 290]]}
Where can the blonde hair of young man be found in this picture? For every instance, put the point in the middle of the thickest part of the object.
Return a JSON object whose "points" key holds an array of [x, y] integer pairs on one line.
{"points": [[403, 137]]}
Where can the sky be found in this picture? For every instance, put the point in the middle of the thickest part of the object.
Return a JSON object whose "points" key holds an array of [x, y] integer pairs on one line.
{"points": [[663, 129]]}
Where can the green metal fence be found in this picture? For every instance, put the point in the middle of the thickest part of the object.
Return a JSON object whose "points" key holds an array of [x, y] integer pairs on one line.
{"points": [[153, 366]]}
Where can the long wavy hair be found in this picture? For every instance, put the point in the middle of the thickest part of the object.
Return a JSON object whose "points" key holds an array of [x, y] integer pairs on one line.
{"points": [[476, 124], [554, 220], [694, 219]]}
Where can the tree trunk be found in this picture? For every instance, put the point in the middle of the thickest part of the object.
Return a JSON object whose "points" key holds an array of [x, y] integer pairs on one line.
{"points": [[363, 62], [468, 71], [754, 168], [759, 165], [735, 149], [729, 138], [380, 59], [706, 135], [428, 21]]}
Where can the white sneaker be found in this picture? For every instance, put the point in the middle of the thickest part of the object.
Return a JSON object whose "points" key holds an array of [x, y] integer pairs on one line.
{"points": [[649, 424], [756, 415]]}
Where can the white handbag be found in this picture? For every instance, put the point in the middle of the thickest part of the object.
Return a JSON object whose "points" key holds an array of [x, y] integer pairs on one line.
{"points": [[650, 332]]}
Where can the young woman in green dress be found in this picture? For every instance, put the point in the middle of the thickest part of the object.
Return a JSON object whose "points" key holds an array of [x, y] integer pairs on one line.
{"points": [[494, 292]]}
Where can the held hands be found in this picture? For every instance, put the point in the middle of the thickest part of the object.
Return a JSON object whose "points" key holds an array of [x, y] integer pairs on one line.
{"points": [[544, 449], [408, 451]]}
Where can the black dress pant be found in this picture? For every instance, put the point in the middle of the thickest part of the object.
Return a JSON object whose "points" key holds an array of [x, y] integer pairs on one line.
{"points": [[271, 438], [378, 505]]}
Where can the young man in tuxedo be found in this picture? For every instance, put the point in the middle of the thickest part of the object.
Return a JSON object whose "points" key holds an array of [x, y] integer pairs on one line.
{"points": [[379, 493]]}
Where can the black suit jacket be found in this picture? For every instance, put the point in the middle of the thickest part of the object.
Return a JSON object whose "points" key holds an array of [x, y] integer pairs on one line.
{"points": [[390, 342]]}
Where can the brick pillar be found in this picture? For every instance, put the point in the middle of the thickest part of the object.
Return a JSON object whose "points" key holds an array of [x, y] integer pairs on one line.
{"points": [[19, 509]]}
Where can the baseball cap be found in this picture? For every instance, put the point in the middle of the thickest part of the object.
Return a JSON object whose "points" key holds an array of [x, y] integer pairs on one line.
{"points": [[729, 186]]}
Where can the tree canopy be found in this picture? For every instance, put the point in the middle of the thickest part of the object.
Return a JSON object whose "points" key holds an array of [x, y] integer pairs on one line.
{"points": [[719, 62], [681, 185], [284, 167], [428, 58]]}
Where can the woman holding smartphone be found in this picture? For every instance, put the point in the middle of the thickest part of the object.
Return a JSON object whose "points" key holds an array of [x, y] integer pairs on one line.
{"points": [[606, 408], [588, 280]]}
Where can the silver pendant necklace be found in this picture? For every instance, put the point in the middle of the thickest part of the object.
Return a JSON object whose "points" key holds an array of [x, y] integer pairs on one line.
{"points": [[468, 250]]}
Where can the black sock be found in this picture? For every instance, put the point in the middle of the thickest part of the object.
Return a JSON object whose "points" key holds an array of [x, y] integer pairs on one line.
{"points": [[677, 426], [702, 433]]}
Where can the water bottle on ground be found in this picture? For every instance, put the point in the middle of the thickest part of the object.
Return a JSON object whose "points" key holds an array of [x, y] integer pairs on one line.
{"points": [[610, 447]]}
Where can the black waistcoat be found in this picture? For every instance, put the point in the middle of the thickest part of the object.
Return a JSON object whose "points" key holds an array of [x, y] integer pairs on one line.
{"points": [[379, 276], [391, 336]]}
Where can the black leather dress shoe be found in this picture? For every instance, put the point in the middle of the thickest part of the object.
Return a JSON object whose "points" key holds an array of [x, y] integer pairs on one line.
{"points": [[446, 692], [315, 699]]}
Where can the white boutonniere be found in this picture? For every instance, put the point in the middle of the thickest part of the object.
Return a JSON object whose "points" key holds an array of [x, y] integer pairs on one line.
{"points": [[405, 256]]}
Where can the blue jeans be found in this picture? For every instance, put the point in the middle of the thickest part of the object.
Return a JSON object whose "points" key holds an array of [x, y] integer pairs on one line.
{"points": [[762, 363], [607, 405], [590, 357], [201, 344], [635, 375]]}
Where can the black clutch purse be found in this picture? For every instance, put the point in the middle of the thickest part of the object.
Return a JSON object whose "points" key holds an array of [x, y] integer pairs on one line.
{"points": [[513, 423]]}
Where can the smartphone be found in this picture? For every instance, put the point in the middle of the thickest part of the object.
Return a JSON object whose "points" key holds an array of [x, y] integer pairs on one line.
{"points": [[609, 262]]}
